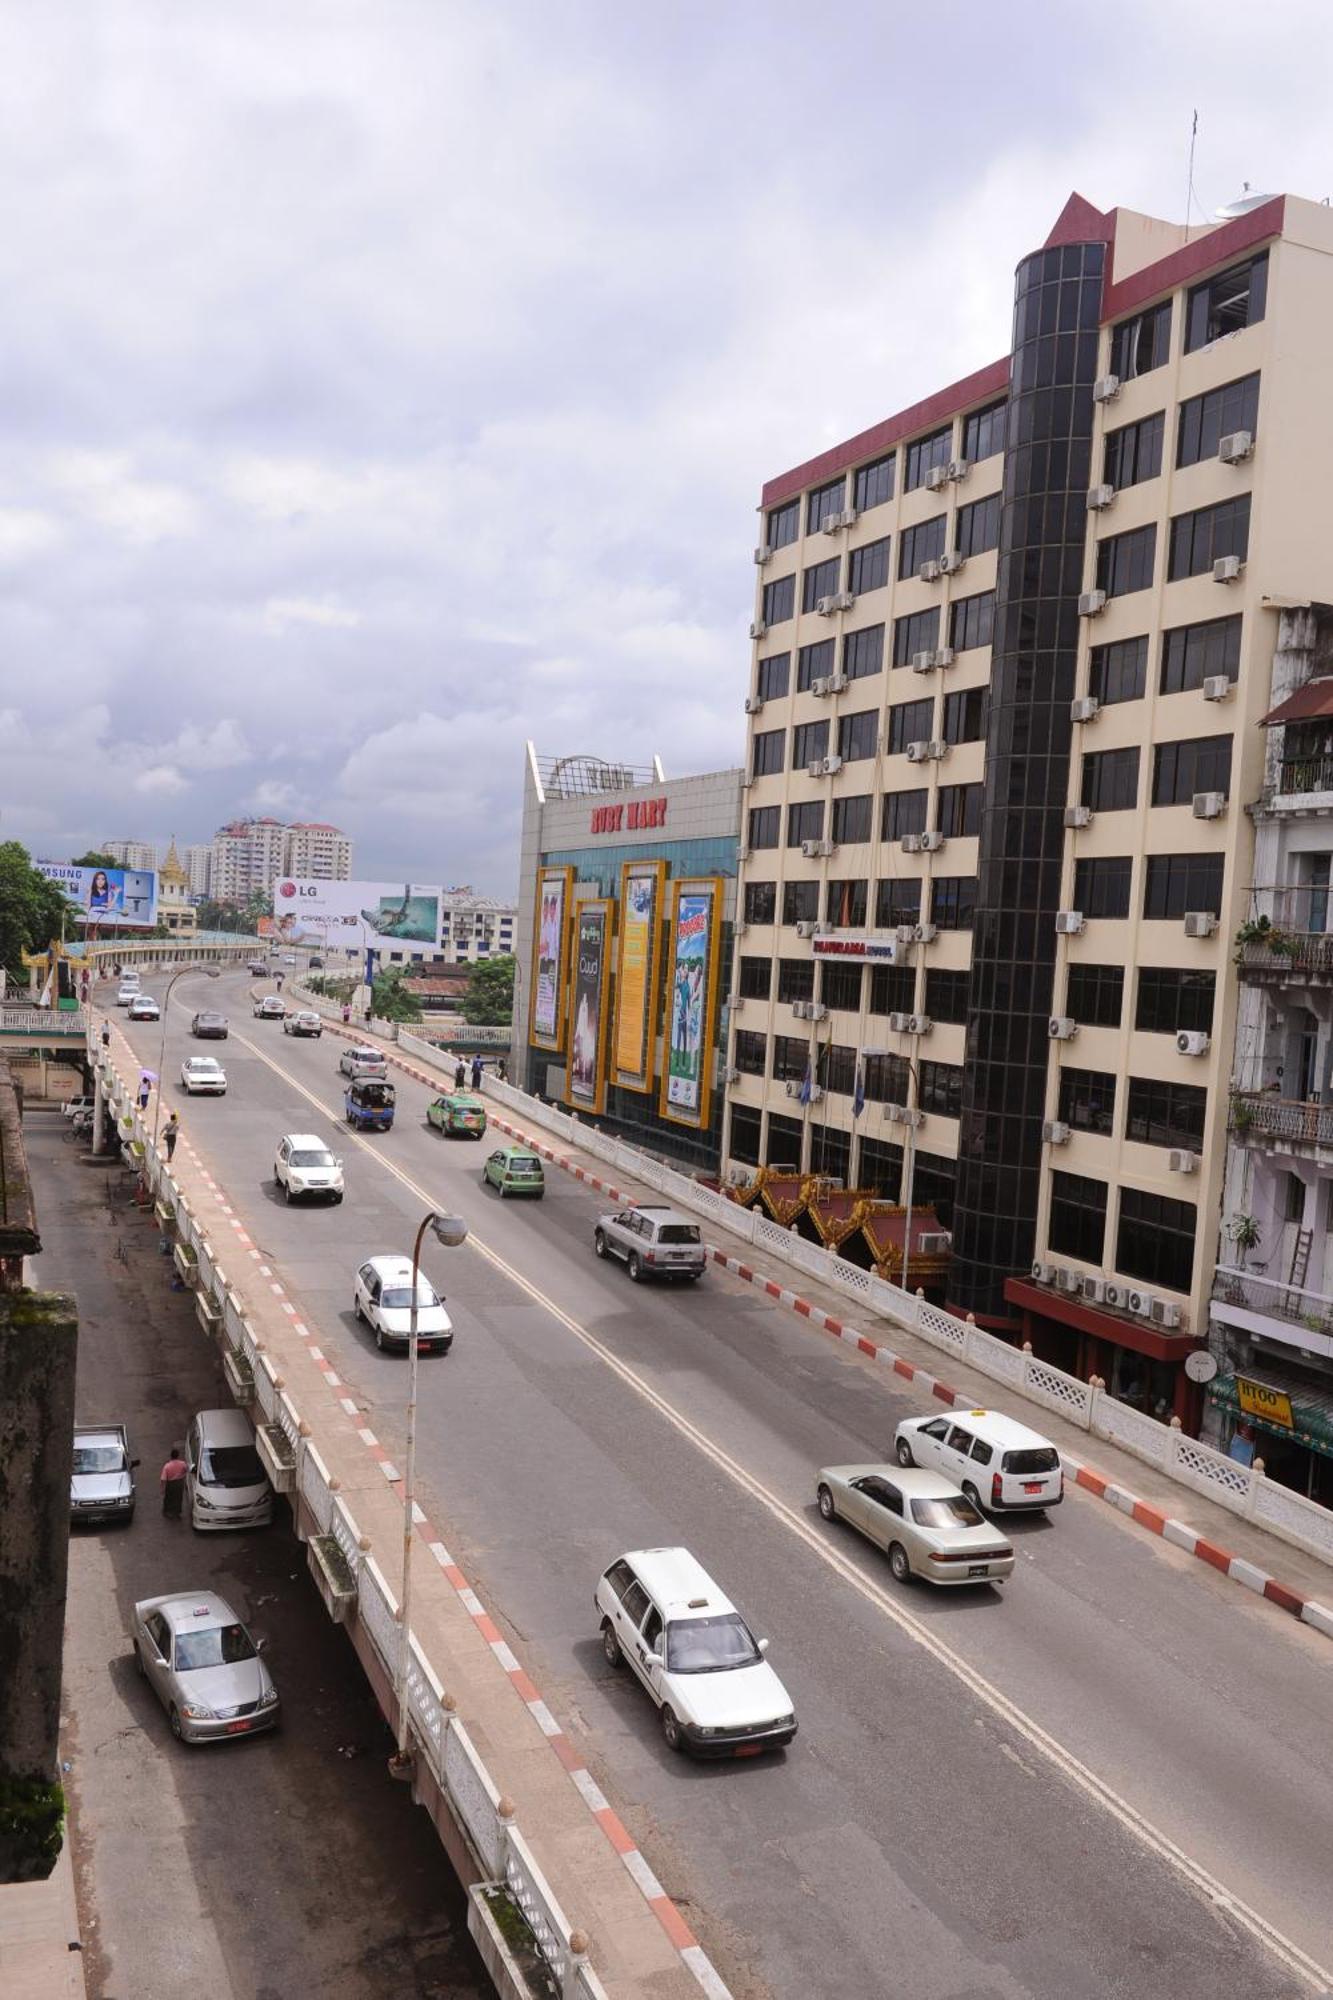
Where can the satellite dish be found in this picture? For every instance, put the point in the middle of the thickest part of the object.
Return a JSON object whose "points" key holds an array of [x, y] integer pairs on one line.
{"points": [[1201, 1366], [1241, 206]]}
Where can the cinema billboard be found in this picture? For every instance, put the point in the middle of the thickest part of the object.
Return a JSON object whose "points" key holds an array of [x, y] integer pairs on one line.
{"points": [[358, 916]]}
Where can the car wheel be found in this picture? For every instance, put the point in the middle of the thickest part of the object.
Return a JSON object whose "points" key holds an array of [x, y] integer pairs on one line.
{"points": [[672, 1731], [903, 1452], [379, 1337], [970, 1492], [898, 1563], [610, 1645], [635, 1268], [173, 1717], [694, 1276], [287, 1191], [599, 1242], [139, 1666], [356, 1307], [826, 1506]]}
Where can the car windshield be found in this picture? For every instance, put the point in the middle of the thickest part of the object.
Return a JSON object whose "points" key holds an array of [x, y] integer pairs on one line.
{"points": [[210, 1020], [231, 1465], [312, 1159], [679, 1232], [709, 1645], [205, 1064], [398, 1298], [214, 1646], [98, 1458], [1042, 1459], [366, 1056], [953, 1510]]}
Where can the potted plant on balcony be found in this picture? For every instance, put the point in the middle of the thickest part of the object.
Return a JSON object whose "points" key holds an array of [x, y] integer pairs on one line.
{"points": [[1263, 932], [1246, 1234]]}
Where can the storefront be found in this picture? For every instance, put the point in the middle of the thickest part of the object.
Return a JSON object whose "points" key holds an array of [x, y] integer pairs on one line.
{"points": [[1283, 1416], [1141, 1365]]}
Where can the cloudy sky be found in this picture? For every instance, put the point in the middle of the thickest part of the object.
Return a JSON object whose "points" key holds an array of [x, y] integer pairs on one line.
{"points": [[385, 381]]}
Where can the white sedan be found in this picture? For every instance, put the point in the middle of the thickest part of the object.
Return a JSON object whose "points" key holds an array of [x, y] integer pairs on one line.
{"points": [[203, 1074], [382, 1297], [144, 1008]]}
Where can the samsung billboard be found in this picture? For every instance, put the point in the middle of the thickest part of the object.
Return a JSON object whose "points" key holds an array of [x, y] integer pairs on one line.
{"points": [[110, 898]]}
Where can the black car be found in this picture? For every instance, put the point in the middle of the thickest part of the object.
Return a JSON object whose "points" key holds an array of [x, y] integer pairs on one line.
{"points": [[209, 1027], [316, 965]]}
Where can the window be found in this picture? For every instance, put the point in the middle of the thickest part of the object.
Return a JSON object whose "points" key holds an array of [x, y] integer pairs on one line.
{"points": [[1111, 780], [840, 985], [946, 995], [784, 524], [897, 902], [953, 902], [892, 990], [934, 1177], [851, 819], [762, 826], [1175, 883], [868, 568], [1101, 885], [835, 1068], [796, 979], [1077, 1226], [863, 652], [921, 544], [1234, 299], [904, 812], [960, 811], [1087, 1100], [774, 677], [879, 1167], [756, 978], [846, 904], [886, 1079], [1134, 452], [925, 455], [760, 902], [767, 752], [1199, 764], [965, 716], [919, 633], [1094, 995], [1200, 539], [800, 902], [805, 822], [791, 1053], [813, 663], [873, 483], [784, 1142], [972, 621], [1165, 1114], [1155, 1239], [779, 600], [978, 526], [823, 501], [749, 1052], [1291, 1195], [1119, 672], [941, 1089], [1141, 344], [858, 735], [1125, 562], [1170, 999], [820, 580], [983, 432], [1193, 653], [909, 722], [1206, 420], [809, 740]]}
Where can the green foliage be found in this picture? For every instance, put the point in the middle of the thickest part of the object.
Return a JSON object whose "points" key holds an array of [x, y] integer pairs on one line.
{"points": [[94, 859], [489, 1000], [32, 910], [215, 916], [32, 1823], [391, 1000]]}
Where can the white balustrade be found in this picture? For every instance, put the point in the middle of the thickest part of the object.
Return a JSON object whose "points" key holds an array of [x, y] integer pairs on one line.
{"points": [[315, 1488], [473, 1796]]}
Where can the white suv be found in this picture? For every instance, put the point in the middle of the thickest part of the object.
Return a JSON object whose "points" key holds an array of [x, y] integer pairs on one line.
{"points": [[999, 1463], [382, 1297], [654, 1240], [305, 1165], [695, 1654]]}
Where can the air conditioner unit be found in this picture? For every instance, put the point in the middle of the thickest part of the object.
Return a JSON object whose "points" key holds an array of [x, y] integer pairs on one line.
{"points": [[1099, 497], [815, 769], [733, 1076], [917, 752], [830, 766], [825, 606], [1115, 1296], [937, 477], [824, 848], [934, 1242], [1043, 1274], [1192, 1042], [932, 842], [925, 933], [817, 1011], [763, 554], [943, 656], [742, 853], [837, 684], [1165, 1312], [741, 928], [819, 687], [919, 1024], [1084, 708], [1068, 1281], [850, 517], [735, 1001], [952, 563], [1094, 1289], [801, 1009], [1217, 687], [1068, 923], [810, 849], [910, 843], [1227, 568], [899, 1114], [807, 928], [832, 523], [754, 704], [905, 934], [923, 663], [844, 600], [930, 572], [1106, 388], [758, 629], [1199, 923], [1062, 1027], [936, 749], [747, 779], [1091, 603], [1140, 1303], [1182, 1162], [1235, 446], [957, 468], [794, 1089], [1078, 816], [900, 1023], [816, 1093], [1209, 805]]}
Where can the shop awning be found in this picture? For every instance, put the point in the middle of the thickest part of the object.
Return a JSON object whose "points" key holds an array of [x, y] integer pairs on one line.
{"points": [[1308, 703], [1311, 1409]]}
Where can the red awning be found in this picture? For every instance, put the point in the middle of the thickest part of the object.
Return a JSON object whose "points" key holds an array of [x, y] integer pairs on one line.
{"points": [[1306, 705]]}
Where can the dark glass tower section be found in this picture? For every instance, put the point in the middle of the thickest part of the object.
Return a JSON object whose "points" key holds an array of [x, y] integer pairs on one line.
{"points": [[1047, 469]]}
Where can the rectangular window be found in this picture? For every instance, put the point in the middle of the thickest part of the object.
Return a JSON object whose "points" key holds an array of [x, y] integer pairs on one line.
{"points": [[1170, 999], [747, 1123], [820, 580], [809, 740], [879, 1168], [934, 1177], [749, 1052], [761, 902], [768, 748], [791, 1053], [868, 568], [823, 501], [851, 819], [1201, 538], [921, 544], [1175, 883], [965, 716], [941, 1089], [1134, 452], [840, 986], [1155, 1239], [774, 677], [1094, 995], [813, 663], [1233, 299], [1192, 654], [983, 432], [1078, 1217], [846, 905], [925, 455], [886, 1079], [1111, 780], [978, 526], [805, 822], [1206, 420], [1198, 764], [1165, 1114], [796, 980], [857, 735], [756, 978], [918, 633], [904, 812], [972, 621], [1087, 1100], [897, 902], [1119, 672], [800, 902], [779, 600], [892, 989], [960, 811], [946, 996], [762, 826], [1125, 562], [1140, 344], [863, 652], [953, 902], [909, 722], [874, 483], [1101, 885], [784, 524]]}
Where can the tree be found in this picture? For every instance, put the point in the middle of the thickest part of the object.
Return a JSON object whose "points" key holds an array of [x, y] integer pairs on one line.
{"points": [[32, 910], [489, 1000], [94, 859], [391, 1000], [215, 916]]}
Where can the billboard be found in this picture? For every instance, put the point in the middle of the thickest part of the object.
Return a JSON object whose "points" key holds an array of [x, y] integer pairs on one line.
{"points": [[347, 916], [587, 1041], [110, 898], [550, 944], [691, 1000], [638, 972]]}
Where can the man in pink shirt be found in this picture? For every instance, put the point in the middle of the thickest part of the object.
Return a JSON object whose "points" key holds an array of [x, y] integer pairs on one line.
{"points": [[173, 1484]]}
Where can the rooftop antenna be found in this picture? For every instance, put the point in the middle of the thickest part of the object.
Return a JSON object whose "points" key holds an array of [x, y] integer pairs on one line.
{"points": [[1189, 186]]}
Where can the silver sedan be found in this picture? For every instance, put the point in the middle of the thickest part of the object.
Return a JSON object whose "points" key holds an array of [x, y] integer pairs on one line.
{"points": [[203, 1666], [925, 1525]]}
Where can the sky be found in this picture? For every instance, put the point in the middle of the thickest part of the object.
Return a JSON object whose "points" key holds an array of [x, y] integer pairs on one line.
{"points": [[386, 382]]}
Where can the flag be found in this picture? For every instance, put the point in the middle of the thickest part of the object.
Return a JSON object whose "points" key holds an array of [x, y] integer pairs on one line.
{"points": [[859, 1088], [807, 1082]]}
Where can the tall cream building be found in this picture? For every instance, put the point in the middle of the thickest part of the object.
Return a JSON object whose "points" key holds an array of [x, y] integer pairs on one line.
{"points": [[1011, 650]]}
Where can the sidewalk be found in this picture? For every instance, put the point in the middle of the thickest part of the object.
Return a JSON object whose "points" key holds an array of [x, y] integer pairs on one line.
{"points": [[41, 1957]]}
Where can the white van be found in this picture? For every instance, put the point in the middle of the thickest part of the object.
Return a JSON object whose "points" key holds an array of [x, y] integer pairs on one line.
{"points": [[999, 1463], [225, 1486], [128, 989]]}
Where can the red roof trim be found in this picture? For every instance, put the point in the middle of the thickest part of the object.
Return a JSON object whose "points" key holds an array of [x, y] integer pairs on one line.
{"points": [[1103, 1325], [1307, 703], [1079, 222], [1207, 253]]}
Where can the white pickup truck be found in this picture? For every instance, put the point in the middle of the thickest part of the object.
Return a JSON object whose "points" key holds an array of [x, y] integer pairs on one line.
{"points": [[101, 1487]]}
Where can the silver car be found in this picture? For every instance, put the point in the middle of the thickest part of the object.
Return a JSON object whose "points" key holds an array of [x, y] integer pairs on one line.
{"points": [[101, 1486], [359, 1061], [203, 1667], [926, 1526], [654, 1241]]}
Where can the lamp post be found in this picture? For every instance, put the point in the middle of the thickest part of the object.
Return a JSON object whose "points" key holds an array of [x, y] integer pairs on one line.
{"points": [[909, 1154], [451, 1231], [209, 972]]}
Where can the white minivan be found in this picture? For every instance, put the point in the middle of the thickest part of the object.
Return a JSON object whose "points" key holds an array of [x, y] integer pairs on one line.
{"points": [[128, 989], [999, 1463], [225, 1484]]}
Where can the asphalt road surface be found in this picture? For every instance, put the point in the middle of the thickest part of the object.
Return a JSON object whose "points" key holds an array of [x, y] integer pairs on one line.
{"points": [[1112, 1777]]}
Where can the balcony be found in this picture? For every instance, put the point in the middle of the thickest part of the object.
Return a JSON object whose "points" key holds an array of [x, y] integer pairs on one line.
{"points": [[1280, 1124], [1287, 937], [1279, 1312], [1305, 777]]}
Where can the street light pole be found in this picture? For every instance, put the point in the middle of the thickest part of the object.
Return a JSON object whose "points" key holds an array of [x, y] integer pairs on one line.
{"points": [[909, 1152], [209, 972]]}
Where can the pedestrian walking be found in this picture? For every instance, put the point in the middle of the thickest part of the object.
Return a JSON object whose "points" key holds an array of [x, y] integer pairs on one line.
{"points": [[145, 1092], [106, 1034], [172, 1134], [278, 981], [173, 1484], [500, 1071], [476, 1072], [347, 1012], [460, 1075]]}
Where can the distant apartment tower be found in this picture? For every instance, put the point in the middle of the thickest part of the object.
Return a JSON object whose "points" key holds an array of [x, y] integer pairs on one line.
{"points": [[131, 853], [317, 851], [198, 864], [248, 856], [474, 927]]}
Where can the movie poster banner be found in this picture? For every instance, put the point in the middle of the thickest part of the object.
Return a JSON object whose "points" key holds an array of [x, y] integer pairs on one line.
{"points": [[638, 973], [592, 925], [694, 945], [550, 945]]}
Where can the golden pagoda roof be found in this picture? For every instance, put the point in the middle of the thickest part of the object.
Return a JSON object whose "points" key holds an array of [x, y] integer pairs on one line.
{"points": [[171, 869]]}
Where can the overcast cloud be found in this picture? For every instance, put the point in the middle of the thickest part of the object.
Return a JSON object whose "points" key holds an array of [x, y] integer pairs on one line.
{"points": [[385, 381]]}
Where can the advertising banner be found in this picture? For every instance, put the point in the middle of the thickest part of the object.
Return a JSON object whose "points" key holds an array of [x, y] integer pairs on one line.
{"points": [[550, 946], [1257, 1399], [587, 1041], [638, 972], [357, 916], [108, 898], [691, 1001]]}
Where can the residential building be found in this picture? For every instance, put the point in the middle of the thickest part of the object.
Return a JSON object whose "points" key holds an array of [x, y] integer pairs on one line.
{"points": [[316, 851], [248, 857], [1010, 650], [131, 853], [174, 907], [474, 927], [198, 863]]}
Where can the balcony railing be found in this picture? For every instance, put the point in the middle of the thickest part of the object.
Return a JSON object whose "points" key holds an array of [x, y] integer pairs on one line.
{"points": [[1257, 1115], [1289, 931], [1312, 1310], [25, 1020], [1302, 776]]}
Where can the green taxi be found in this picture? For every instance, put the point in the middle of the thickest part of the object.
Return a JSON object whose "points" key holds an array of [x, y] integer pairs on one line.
{"points": [[457, 1111], [515, 1170]]}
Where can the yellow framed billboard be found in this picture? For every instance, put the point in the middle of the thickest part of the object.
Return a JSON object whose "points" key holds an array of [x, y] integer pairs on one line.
{"points": [[593, 926], [638, 973], [547, 1007], [694, 946]]}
